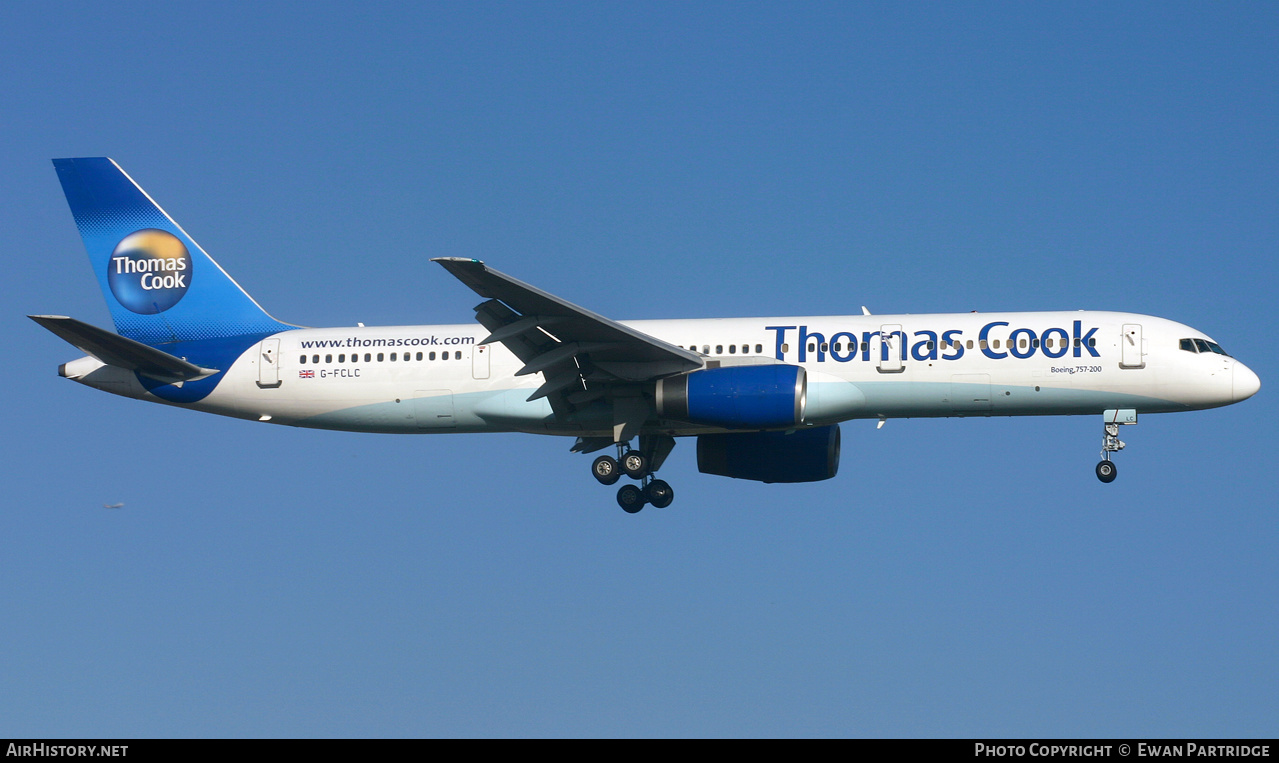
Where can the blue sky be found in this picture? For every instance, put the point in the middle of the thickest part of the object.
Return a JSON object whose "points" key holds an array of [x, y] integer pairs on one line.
{"points": [[958, 578]]}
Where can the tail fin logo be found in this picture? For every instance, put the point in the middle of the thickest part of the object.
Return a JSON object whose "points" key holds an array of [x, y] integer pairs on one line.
{"points": [[149, 271]]}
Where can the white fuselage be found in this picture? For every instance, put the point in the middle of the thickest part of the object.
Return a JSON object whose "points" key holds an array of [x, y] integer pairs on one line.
{"points": [[424, 379]]}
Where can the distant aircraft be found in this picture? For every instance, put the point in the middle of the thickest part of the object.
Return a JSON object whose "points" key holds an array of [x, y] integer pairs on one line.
{"points": [[763, 396], [113, 505]]}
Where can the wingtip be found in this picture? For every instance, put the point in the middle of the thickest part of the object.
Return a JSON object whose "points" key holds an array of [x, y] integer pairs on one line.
{"points": [[44, 320]]}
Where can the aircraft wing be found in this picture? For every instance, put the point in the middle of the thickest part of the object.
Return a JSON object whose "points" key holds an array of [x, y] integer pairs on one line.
{"points": [[579, 352]]}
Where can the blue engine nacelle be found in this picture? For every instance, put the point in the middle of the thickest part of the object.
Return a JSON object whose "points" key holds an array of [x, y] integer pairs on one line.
{"points": [[737, 397], [804, 455]]}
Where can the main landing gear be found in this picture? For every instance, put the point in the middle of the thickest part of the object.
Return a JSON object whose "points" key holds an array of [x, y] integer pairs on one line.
{"points": [[1110, 443], [638, 465]]}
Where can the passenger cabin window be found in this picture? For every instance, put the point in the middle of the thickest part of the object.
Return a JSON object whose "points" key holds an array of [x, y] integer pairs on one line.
{"points": [[732, 349], [419, 356], [457, 355], [379, 357], [785, 347], [759, 349], [303, 358], [719, 349]]}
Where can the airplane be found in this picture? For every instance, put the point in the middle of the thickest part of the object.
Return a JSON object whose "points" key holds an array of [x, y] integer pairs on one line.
{"points": [[113, 505], [764, 397]]}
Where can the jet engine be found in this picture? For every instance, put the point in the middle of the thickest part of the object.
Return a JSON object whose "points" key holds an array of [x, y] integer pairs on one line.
{"points": [[801, 455], [736, 397]]}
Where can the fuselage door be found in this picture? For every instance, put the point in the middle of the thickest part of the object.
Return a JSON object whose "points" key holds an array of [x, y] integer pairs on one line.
{"points": [[1131, 347], [892, 344], [480, 361], [269, 364]]}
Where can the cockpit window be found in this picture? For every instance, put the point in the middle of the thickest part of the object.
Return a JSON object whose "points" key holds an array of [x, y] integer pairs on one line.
{"points": [[1202, 346]]}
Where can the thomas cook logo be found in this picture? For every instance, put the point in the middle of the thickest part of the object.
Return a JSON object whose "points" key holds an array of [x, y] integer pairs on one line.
{"points": [[150, 271]]}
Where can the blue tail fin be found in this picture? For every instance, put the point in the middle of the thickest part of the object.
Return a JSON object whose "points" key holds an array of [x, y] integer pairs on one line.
{"points": [[159, 284]]}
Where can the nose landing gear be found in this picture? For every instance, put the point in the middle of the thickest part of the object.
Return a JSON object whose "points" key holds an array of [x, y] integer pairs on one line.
{"points": [[1110, 443]]}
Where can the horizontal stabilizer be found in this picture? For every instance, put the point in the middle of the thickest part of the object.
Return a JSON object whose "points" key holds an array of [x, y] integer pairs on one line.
{"points": [[122, 352]]}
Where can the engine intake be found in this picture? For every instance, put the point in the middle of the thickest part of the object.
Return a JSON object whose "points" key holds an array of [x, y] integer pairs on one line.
{"points": [[736, 397]]}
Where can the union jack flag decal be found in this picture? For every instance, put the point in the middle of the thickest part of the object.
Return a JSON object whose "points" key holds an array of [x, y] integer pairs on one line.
{"points": [[306, 374]]}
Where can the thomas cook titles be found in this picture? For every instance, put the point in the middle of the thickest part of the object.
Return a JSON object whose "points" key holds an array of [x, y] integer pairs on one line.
{"points": [[149, 271]]}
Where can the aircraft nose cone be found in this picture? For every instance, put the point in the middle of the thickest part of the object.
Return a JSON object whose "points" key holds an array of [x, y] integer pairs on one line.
{"points": [[1246, 383]]}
